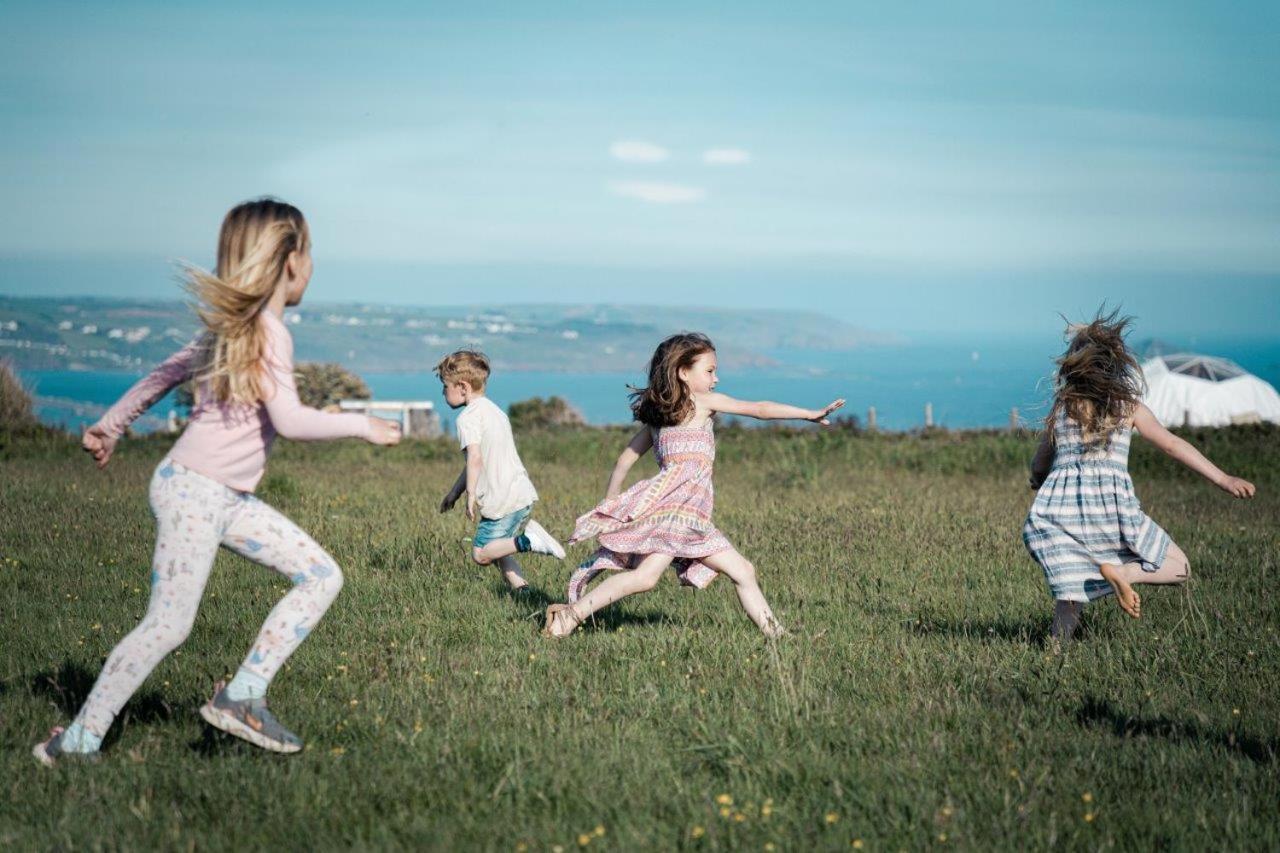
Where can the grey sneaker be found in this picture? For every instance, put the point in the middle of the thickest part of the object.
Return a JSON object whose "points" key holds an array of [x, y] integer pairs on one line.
{"points": [[248, 719], [50, 751], [542, 542]]}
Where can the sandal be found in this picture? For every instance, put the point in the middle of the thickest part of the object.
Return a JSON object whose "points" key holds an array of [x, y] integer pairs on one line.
{"points": [[554, 611]]}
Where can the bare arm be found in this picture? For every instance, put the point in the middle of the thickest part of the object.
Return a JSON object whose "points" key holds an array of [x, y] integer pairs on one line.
{"points": [[1147, 424], [765, 410], [455, 492], [637, 447], [475, 464], [1042, 462]]}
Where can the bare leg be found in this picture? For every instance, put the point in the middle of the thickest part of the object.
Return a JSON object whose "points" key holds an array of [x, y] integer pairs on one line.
{"points": [[616, 587], [510, 570], [1174, 569], [1066, 619], [739, 570], [494, 551]]}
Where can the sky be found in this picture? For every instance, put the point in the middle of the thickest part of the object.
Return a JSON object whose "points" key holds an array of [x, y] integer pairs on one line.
{"points": [[921, 167]]}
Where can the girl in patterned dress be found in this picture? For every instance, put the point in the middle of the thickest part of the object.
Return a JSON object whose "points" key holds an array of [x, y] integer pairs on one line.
{"points": [[202, 492], [666, 520], [1086, 528]]}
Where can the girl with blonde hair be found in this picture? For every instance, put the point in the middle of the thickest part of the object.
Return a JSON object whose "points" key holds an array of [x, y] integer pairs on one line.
{"points": [[202, 491], [666, 520], [1086, 528]]}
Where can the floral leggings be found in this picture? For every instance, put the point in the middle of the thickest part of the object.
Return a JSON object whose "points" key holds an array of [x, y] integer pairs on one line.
{"points": [[195, 515]]}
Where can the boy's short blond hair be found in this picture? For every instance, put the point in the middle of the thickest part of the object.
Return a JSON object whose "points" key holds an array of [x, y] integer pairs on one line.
{"points": [[465, 365]]}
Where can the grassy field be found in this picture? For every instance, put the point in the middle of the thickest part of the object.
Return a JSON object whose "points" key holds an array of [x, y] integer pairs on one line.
{"points": [[915, 703]]}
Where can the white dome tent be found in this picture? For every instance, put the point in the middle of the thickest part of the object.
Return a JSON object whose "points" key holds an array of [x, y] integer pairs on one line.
{"points": [[1185, 389]]}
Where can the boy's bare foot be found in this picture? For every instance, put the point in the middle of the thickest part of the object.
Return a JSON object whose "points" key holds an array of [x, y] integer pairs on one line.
{"points": [[1128, 598]]}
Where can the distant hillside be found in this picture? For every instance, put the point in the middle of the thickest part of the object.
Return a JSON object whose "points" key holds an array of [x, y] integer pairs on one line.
{"points": [[103, 334]]}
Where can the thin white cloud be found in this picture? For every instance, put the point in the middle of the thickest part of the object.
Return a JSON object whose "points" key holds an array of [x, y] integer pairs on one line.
{"points": [[638, 151], [726, 156], [658, 193]]}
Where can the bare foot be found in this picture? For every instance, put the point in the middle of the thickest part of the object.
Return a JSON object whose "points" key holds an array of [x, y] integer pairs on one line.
{"points": [[773, 629], [1128, 598]]}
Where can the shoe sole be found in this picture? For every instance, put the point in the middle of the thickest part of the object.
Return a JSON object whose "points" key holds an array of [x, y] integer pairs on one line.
{"points": [[232, 726]]}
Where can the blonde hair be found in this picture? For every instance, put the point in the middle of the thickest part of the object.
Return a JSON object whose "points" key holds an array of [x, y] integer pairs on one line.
{"points": [[465, 365], [254, 246], [1099, 381]]}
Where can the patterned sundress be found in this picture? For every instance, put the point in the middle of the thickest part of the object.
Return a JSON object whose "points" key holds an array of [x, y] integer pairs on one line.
{"points": [[1086, 514], [670, 513]]}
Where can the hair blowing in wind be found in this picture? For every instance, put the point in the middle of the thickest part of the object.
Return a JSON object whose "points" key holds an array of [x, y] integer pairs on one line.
{"points": [[1099, 381], [254, 245]]}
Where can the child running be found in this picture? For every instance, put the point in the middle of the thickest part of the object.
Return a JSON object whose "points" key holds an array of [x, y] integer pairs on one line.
{"points": [[494, 478], [1086, 528], [666, 520], [202, 492]]}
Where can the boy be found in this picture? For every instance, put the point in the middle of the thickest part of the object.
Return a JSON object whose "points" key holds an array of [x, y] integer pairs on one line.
{"points": [[496, 483]]}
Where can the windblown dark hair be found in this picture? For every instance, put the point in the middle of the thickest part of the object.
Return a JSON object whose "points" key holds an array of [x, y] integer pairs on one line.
{"points": [[666, 400], [1099, 382]]}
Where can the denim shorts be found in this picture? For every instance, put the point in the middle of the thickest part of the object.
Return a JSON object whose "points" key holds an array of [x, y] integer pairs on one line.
{"points": [[490, 529]]}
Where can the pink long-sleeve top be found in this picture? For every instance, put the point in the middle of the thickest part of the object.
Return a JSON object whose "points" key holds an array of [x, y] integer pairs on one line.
{"points": [[229, 442]]}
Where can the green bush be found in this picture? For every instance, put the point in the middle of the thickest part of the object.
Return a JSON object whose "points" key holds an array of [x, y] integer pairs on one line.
{"points": [[537, 413], [16, 410], [321, 385]]}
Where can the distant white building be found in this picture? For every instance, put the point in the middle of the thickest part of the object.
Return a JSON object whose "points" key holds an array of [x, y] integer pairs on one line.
{"points": [[89, 329], [65, 325], [569, 334], [1186, 389], [116, 333]]}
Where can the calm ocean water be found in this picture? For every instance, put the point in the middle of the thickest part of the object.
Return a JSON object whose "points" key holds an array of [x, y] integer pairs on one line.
{"points": [[970, 382]]}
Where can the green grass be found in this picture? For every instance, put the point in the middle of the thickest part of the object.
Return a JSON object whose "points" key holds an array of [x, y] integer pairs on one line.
{"points": [[914, 701]]}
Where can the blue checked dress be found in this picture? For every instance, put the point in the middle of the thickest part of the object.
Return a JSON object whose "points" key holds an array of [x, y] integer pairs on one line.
{"points": [[1086, 514]]}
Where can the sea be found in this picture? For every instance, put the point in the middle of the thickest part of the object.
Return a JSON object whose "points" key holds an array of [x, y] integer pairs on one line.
{"points": [[968, 382]]}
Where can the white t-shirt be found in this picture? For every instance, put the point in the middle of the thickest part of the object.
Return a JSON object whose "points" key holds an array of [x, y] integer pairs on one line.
{"points": [[504, 486]]}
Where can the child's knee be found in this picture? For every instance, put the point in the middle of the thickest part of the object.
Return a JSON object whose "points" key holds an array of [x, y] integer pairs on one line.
{"points": [[478, 555], [747, 572]]}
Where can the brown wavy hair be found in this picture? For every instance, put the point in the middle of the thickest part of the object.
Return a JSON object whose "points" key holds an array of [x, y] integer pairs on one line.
{"points": [[254, 245], [666, 400], [1099, 382]]}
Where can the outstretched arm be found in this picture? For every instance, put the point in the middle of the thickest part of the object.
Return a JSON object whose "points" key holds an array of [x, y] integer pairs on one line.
{"points": [[637, 447], [293, 420], [1042, 462], [1181, 450], [765, 410], [100, 439]]}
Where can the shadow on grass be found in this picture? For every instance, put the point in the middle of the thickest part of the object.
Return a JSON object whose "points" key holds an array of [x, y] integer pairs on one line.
{"points": [[1101, 713], [70, 686], [1029, 631], [533, 602]]}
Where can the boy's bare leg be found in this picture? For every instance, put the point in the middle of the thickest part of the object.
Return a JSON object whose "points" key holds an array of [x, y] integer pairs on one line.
{"points": [[510, 571]]}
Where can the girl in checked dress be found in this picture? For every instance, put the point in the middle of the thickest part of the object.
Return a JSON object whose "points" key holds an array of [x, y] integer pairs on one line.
{"points": [[1086, 528]]}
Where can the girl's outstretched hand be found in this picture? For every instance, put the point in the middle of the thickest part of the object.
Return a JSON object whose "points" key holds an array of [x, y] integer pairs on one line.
{"points": [[99, 445], [821, 417], [383, 432], [1237, 487]]}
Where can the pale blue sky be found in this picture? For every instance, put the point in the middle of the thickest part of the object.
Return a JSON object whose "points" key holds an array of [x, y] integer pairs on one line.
{"points": [[919, 167]]}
